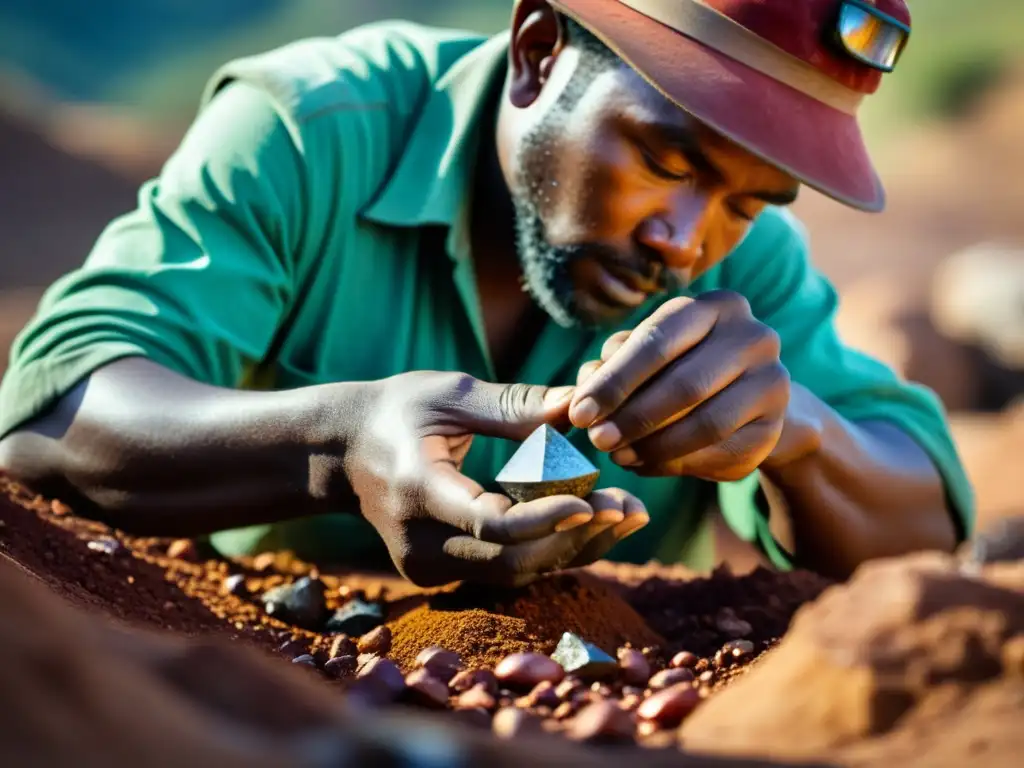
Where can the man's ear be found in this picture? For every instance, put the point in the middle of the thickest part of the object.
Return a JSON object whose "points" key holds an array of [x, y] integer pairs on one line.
{"points": [[538, 36]]}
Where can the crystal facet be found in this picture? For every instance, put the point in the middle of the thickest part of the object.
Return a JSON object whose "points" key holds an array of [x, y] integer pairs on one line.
{"points": [[547, 464], [582, 659]]}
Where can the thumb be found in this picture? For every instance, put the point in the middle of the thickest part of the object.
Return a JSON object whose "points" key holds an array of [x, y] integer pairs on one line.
{"points": [[513, 411]]}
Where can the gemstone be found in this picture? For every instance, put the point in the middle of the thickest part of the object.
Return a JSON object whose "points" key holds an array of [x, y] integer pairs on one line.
{"points": [[547, 464]]}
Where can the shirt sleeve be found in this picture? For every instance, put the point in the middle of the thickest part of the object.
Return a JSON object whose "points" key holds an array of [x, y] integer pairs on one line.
{"points": [[774, 271], [198, 277]]}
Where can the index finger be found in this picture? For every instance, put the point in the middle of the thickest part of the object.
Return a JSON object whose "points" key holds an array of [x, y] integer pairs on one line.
{"points": [[669, 332], [451, 497]]}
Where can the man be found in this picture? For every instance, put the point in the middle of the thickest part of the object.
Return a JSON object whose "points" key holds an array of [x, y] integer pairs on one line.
{"points": [[297, 337]]}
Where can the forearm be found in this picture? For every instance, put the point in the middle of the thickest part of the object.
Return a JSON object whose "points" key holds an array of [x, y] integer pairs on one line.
{"points": [[852, 492], [153, 452]]}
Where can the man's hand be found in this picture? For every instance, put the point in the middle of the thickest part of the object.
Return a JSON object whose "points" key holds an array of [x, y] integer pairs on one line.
{"points": [[696, 389], [403, 461]]}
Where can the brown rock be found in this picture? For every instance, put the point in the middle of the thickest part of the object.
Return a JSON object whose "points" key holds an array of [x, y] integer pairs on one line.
{"points": [[511, 722], [343, 645], [669, 707], [904, 658], [378, 682], [183, 549], [601, 721], [376, 641], [471, 678], [542, 695], [441, 663], [424, 689], [684, 660], [525, 670], [635, 668], [669, 677], [340, 666], [477, 697], [568, 688]]}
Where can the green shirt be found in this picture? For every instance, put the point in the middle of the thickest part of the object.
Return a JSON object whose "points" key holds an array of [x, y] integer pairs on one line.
{"points": [[312, 227]]}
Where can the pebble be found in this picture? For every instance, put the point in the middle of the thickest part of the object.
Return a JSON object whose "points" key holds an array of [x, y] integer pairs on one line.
{"points": [[601, 721], [635, 668], [379, 682], [738, 649], [343, 645], [340, 666], [728, 623], [706, 677], [105, 545], [471, 678], [305, 659], [585, 660], [669, 707], [525, 670], [477, 697], [424, 689], [440, 662], [511, 722], [183, 549], [542, 695], [302, 603], [293, 648], [234, 585], [669, 677], [376, 641], [568, 688], [684, 660], [356, 617], [566, 710]]}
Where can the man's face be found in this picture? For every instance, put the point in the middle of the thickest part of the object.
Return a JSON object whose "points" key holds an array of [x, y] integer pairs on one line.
{"points": [[619, 195]]}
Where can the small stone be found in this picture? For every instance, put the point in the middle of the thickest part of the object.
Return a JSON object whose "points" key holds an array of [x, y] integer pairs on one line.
{"points": [[566, 710], [511, 722], [440, 662], [355, 618], [585, 660], [183, 549], [365, 658], [706, 677], [684, 660], [60, 509], [425, 690], [525, 670], [720, 660], [264, 562], [340, 666], [234, 585], [293, 648], [542, 695], [702, 665], [305, 659], [738, 649], [477, 697], [547, 464], [635, 668], [376, 641], [105, 545], [471, 678], [302, 603], [342, 645], [379, 682], [568, 688], [730, 625], [669, 677], [669, 707], [602, 721]]}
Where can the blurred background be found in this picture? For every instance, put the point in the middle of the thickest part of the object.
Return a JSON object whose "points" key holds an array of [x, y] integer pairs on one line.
{"points": [[94, 96]]}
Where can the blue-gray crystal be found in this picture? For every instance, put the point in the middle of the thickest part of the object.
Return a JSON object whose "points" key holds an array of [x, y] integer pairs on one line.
{"points": [[356, 617], [547, 464], [582, 659]]}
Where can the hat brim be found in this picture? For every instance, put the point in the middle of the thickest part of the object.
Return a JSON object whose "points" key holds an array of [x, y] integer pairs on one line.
{"points": [[818, 145]]}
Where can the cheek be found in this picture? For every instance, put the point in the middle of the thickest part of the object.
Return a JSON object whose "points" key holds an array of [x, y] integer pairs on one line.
{"points": [[722, 235]]}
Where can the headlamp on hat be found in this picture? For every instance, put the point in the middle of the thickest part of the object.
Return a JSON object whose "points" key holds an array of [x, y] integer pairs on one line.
{"points": [[868, 35]]}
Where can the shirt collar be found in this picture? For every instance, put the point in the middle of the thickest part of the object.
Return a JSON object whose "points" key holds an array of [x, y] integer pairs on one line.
{"points": [[431, 182]]}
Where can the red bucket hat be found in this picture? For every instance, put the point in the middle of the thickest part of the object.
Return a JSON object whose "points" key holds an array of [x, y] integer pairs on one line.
{"points": [[763, 73]]}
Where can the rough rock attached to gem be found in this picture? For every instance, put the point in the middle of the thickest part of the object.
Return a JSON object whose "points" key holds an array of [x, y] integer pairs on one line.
{"points": [[583, 659], [301, 603], [356, 617], [547, 464]]}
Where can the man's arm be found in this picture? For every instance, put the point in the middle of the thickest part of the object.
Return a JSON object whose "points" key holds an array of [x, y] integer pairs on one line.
{"points": [[153, 452], [848, 492], [866, 466]]}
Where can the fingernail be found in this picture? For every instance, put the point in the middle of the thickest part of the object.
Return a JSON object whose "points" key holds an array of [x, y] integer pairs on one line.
{"points": [[626, 457], [609, 516], [574, 521], [585, 412], [558, 396], [631, 525], [605, 436]]}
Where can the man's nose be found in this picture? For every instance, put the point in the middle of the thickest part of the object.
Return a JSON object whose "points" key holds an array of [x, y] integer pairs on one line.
{"points": [[677, 236]]}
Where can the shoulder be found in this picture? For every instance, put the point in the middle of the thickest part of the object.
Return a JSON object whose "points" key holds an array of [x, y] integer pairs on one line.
{"points": [[385, 67]]}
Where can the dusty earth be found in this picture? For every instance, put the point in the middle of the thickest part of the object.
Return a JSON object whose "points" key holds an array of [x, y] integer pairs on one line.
{"points": [[148, 649]]}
